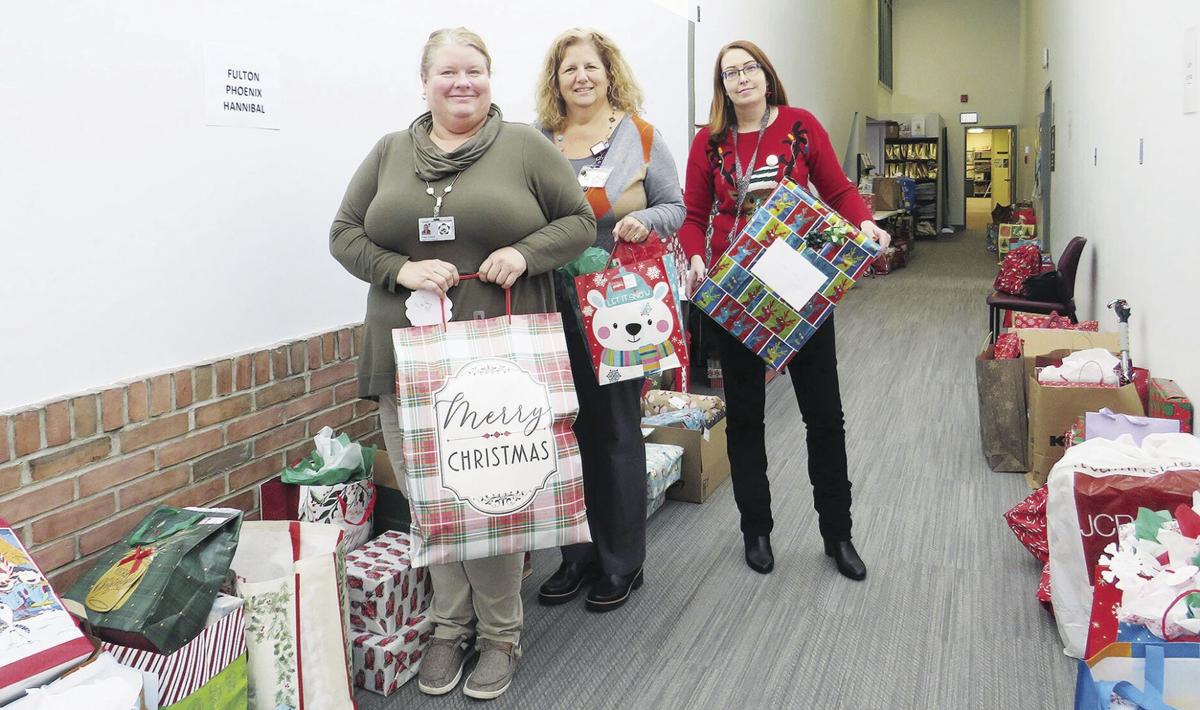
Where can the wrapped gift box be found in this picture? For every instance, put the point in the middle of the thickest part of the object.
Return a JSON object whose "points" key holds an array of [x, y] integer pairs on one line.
{"points": [[384, 663], [184, 672], [783, 274], [664, 464], [385, 591], [1169, 402], [39, 640], [686, 418]]}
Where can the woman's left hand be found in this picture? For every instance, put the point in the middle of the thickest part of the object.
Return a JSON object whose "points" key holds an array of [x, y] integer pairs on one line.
{"points": [[502, 267], [629, 229], [876, 233]]}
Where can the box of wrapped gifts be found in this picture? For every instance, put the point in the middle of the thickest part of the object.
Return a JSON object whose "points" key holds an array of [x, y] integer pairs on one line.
{"points": [[385, 591], [382, 664], [696, 423], [664, 464]]}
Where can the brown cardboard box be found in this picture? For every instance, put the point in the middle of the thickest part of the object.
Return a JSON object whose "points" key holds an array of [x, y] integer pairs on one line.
{"points": [[383, 473], [705, 461], [888, 195]]}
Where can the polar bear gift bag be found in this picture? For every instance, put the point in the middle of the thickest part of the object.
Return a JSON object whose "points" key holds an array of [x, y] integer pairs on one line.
{"points": [[491, 462], [631, 319]]}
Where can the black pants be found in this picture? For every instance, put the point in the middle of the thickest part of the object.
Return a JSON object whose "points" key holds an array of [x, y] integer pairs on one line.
{"points": [[608, 428], [814, 377]]}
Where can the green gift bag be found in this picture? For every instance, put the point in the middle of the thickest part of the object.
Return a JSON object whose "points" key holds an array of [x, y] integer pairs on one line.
{"points": [[153, 590]]}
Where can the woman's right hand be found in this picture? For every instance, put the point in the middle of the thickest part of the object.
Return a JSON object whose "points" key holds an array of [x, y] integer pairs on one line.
{"points": [[432, 274], [695, 274]]}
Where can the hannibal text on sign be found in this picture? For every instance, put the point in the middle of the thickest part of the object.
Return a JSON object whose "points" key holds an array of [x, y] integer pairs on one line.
{"points": [[241, 87]]}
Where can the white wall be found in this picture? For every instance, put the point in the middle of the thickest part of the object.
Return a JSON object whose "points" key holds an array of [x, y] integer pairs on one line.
{"points": [[945, 48], [137, 239], [1117, 77]]}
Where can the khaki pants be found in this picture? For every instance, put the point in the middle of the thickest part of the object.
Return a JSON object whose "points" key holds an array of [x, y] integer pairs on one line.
{"points": [[478, 597]]}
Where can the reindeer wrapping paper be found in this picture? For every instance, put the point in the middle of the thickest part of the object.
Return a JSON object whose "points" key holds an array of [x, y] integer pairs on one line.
{"points": [[783, 274]]}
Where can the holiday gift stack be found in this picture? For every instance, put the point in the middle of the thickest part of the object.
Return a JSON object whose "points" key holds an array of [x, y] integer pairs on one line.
{"points": [[388, 613], [39, 640], [697, 424], [664, 464], [783, 274]]}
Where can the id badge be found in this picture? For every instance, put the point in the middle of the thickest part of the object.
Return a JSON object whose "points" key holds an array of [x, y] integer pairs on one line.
{"points": [[435, 229], [594, 177]]}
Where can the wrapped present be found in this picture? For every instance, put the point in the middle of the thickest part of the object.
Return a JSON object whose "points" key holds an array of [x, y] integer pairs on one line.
{"points": [[659, 401], [688, 418], [784, 273], [154, 589], [384, 663], [1077, 432], [385, 591], [664, 464], [181, 674], [38, 638], [1014, 236], [1008, 347], [1169, 402], [1037, 320]]}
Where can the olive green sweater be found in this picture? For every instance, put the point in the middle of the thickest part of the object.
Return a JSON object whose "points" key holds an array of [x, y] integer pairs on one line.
{"points": [[520, 193]]}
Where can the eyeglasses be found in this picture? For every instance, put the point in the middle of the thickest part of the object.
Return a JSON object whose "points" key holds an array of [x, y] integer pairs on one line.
{"points": [[750, 70]]}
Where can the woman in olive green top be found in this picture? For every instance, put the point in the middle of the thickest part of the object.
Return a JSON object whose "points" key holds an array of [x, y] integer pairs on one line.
{"points": [[507, 205]]}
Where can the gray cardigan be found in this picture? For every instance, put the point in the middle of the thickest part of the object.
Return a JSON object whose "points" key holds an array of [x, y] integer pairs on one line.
{"points": [[647, 190]]}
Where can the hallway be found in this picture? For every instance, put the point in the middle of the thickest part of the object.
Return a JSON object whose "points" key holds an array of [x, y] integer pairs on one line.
{"points": [[947, 617]]}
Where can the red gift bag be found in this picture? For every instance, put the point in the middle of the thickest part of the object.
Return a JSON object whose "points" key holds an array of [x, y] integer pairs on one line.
{"points": [[631, 317]]}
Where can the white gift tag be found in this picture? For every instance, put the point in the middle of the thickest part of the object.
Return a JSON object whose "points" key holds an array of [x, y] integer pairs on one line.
{"points": [[422, 307], [435, 229], [594, 177]]}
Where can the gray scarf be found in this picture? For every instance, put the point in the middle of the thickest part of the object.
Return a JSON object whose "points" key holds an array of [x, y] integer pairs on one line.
{"points": [[432, 163]]}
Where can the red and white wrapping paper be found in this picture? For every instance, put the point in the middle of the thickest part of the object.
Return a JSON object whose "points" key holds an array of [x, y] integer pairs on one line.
{"points": [[182, 673], [384, 663], [385, 591]]}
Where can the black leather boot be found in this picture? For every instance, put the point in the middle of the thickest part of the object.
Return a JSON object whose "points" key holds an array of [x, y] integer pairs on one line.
{"points": [[758, 553], [564, 585], [611, 591], [847, 559]]}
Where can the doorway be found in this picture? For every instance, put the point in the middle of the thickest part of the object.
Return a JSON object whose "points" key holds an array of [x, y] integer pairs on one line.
{"points": [[989, 172]]}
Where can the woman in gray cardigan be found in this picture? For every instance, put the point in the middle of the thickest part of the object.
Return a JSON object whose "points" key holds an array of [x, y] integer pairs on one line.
{"points": [[587, 105]]}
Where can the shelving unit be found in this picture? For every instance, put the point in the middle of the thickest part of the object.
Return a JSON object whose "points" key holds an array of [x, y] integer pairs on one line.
{"points": [[979, 173], [921, 160]]}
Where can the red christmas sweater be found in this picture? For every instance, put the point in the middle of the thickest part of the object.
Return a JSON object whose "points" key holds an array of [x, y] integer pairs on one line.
{"points": [[795, 145]]}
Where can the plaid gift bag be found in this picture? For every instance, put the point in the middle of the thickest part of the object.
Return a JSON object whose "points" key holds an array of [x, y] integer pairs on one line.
{"points": [[783, 273], [486, 408]]}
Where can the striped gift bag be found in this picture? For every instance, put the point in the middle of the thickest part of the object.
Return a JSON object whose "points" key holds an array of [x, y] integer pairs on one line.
{"points": [[486, 408], [184, 672]]}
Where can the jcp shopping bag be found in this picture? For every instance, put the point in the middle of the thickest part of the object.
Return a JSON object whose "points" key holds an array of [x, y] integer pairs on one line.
{"points": [[1140, 675], [292, 577], [486, 408], [632, 317]]}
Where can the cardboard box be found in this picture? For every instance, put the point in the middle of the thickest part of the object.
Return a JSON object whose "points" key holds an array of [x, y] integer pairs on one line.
{"points": [[705, 461], [887, 194]]}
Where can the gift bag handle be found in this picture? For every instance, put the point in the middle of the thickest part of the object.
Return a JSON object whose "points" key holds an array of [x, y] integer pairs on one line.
{"points": [[1131, 421], [164, 526], [1163, 622], [1149, 699], [467, 277], [341, 499]]}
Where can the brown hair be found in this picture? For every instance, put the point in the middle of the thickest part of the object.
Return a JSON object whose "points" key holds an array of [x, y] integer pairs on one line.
{"points": [[623, 92], [720, 114], [452, 35]]}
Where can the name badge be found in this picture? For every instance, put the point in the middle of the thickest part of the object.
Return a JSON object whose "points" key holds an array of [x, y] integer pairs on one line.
{"points": [[435, 229], [594, 177]]}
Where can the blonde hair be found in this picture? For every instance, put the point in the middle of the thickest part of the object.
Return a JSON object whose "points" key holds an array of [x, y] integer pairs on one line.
{"points": [[623, 92], [721, 115], [452, 35]]}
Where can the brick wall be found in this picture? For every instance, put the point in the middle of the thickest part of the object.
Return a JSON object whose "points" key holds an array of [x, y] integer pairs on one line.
{"points": [[77, 473]]}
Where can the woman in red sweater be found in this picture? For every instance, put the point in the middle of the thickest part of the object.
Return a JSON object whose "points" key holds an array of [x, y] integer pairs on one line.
{"points": [[752, 141]]}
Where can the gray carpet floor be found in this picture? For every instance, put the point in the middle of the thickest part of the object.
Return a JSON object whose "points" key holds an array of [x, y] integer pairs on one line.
{"points": [[947, 616]]}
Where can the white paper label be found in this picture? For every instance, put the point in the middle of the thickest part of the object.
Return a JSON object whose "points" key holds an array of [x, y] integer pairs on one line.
{"points": [[792, 277], [495, 435]]}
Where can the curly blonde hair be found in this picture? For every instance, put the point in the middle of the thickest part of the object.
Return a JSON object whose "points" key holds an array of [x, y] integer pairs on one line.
{"points": [[452, 35], [623, 92]]}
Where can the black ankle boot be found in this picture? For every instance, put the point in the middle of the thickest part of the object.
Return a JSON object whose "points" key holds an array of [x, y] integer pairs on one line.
{"points": [[758, 553], [847, 559], [611, 591], [564, 585]]}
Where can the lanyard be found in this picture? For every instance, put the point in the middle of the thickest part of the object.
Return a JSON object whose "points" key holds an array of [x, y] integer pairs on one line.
{"points": [[741, 176], [437, 199]]}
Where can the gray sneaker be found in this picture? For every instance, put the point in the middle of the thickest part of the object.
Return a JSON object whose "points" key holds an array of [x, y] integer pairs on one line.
{"points": [[442, 665], [494, 671]]}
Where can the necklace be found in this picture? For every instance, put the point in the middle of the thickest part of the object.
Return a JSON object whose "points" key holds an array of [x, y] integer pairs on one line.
{"points": [[437, 199], [599, 148]]}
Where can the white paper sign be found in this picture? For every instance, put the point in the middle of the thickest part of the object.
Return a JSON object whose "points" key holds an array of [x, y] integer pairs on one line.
{"points": [[241, 87], [495, 436], [792, 277]]}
